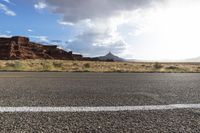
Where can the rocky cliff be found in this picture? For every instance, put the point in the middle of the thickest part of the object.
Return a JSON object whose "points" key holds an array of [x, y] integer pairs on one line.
{"points": [[21, 48]]}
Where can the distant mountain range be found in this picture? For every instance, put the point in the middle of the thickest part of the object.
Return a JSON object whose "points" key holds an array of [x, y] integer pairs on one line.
{"points": [[197, 59], [110, 57]]}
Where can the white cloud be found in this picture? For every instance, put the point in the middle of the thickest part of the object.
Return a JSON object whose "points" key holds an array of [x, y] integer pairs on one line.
{"points": [[5, 35], [6, 10], [40, 5], [30, 30], [143, 29], [65, 23], [99, 23], [7, 1], [40, 38], [165, 31], [77, 10], [100, 37]]}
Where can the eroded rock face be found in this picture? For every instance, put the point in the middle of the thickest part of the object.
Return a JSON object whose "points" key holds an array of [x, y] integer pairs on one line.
{"points": [[21, 48], [20, 40]]}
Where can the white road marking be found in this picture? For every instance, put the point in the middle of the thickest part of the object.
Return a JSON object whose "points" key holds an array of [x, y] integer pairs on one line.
{"points": [[98, 109]]}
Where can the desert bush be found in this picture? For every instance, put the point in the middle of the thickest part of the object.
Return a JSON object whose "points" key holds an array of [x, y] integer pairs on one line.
{"points": [[57, 64], [143, 65], [157, 65], [172, 67], [47, 65], [1, 65], [10, 64], [87, 65], [18, 65], [75, 64]]}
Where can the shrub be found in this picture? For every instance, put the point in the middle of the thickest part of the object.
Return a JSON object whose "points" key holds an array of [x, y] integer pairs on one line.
{"points": [[1, 65], [46, 65], [87, 65], [143, 65], [10, 64], [57, 64], [18, 65], [75, 64], [157, 65], [172, 67]]}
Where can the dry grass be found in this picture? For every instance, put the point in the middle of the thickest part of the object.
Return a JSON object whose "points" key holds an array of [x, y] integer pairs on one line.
{"points": [[89, 66]]}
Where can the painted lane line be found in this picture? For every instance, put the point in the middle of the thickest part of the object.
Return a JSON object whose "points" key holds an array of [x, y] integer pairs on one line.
{"points": [[98, 109]]}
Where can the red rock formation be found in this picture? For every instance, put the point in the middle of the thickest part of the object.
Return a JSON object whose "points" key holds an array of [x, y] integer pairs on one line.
{"points": [[21, 48]]}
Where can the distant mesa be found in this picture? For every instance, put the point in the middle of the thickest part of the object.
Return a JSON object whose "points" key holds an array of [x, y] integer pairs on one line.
{"points": [[111, 57], [18, 47]]}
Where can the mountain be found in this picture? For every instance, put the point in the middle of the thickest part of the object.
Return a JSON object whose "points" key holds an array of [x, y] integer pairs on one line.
{"points": [[110, 57]]}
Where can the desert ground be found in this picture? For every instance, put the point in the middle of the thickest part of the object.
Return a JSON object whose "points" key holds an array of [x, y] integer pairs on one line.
{"points": [[97, 66]]}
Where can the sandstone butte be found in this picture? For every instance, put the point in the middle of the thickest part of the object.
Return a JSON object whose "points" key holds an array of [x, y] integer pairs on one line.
{"points": [[17, 48]]}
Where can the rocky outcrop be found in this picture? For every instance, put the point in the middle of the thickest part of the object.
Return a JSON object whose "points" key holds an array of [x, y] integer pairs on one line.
{"points": [[21, 48]]}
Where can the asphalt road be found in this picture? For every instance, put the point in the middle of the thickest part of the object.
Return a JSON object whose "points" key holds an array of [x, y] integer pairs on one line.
{"points": [[100, 89]]}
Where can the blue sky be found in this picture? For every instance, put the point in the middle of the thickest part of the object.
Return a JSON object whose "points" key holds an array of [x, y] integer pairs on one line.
{"points": [[138, 29], [37, 24]]}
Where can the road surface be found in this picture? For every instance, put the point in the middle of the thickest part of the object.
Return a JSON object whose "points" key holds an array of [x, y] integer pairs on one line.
{"points": [[99, 90]]}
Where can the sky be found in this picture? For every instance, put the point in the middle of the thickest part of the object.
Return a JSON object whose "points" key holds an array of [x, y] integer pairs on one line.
{"points": [[132, 29]]}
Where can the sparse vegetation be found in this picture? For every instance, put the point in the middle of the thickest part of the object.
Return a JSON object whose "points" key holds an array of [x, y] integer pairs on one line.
{"points": [[95, 66]]}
